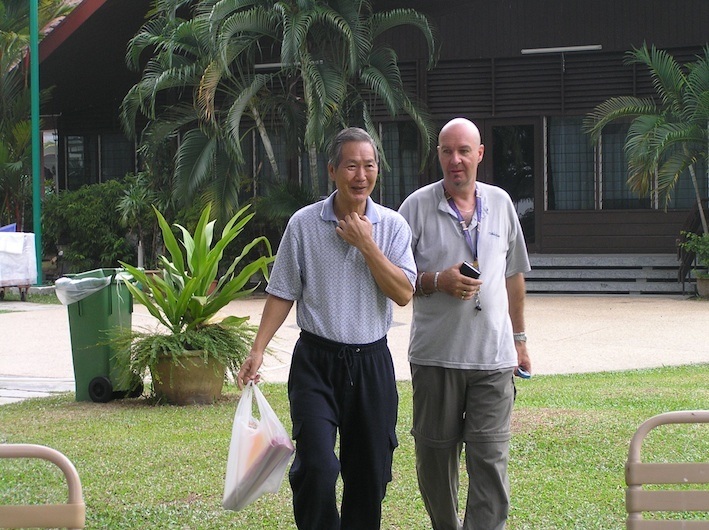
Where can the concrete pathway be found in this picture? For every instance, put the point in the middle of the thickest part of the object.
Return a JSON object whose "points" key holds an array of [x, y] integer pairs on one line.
{"points": [[567, 334]]}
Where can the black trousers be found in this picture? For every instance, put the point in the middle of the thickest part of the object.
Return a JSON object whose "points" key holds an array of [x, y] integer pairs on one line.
{"points": [[350, 388]]}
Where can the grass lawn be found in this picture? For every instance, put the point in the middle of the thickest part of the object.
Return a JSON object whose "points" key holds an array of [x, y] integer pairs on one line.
{"points": [[162, 467]]}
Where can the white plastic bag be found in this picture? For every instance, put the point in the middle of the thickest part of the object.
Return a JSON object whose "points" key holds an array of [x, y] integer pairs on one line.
{"points": [[258, 454], [70, 290]]}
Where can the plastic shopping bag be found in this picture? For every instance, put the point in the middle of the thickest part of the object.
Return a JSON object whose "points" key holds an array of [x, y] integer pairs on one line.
{"points": [[258, 454]]}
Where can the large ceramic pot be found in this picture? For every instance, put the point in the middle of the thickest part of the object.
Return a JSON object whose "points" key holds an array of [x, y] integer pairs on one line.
{"points": [[703, 287], [194, 381]]}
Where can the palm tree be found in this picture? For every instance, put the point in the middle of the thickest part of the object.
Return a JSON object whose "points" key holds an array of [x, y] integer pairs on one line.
{"points": [[328, 71], [668, 137], [15, 16], [15, 122], [207, 164], [334, 51]]}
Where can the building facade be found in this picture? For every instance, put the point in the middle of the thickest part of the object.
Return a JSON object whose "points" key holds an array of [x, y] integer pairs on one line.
{"points": [[526, 71]]}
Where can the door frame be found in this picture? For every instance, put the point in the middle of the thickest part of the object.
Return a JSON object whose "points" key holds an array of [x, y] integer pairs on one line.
{"points": [[486, 166]]}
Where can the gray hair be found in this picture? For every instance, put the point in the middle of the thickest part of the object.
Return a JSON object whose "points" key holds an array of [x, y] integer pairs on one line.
{"points": [[350, 134]]}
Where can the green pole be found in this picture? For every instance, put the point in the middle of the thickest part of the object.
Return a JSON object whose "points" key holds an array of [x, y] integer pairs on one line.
{"points": [[36, 162]]}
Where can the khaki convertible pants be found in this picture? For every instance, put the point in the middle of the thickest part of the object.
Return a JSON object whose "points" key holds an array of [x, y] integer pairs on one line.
{"points": [[453, 408]]}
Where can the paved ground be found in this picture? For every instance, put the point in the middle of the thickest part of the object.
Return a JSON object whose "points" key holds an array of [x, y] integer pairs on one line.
{"points": [[567, 334]]}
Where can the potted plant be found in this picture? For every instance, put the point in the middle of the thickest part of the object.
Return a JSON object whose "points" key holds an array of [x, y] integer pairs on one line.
{"points": [[698, 244], [188, 358]]}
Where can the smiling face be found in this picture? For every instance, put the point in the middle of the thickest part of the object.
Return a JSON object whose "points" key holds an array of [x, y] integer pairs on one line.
{"points": [[459, 153], [355, 177]]}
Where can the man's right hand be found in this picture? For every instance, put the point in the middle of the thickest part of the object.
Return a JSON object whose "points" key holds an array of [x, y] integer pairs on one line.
{"points": [[249, 369], [457, 285]]}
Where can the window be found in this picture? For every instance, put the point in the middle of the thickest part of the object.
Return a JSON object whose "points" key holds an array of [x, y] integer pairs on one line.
{"points": [[579, 177], [325, 185], [615, 192], [116, 156], [400, 142], [81, 166], [683, 195], [94, 158], [570, 175]]}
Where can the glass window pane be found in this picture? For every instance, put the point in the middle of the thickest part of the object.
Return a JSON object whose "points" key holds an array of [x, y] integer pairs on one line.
{"points": [[683, 195], [81, 164], [324, 184], [513, 170], [400, 142], [264, 171], [570, 184], [117, 156], [616, 194]]}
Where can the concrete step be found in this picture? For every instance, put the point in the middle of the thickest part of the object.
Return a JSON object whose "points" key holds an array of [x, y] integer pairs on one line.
{"points": [[606, 274]]}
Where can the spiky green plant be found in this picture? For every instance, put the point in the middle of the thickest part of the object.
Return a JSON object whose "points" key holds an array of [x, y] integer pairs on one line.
{"points": [[182, 298], [187, 294]]}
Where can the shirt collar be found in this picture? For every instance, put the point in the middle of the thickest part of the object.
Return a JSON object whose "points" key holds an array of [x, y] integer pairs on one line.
{"points": [[328, 209], [443, 205]]}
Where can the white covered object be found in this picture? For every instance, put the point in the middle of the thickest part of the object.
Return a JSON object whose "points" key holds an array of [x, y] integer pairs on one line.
{"points": [[18, 261]]}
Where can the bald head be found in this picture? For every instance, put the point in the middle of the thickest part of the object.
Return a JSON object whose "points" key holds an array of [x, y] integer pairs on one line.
{"points": [[461, 125], [459, 153]]}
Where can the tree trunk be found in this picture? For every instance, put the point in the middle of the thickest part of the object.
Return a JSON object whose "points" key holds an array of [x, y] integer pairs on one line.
{"points": [[314, 178], [698, 195], [266, 140]]}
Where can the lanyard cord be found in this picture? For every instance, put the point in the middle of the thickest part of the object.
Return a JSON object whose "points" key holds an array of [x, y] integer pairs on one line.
{"points": [[478, 214]]}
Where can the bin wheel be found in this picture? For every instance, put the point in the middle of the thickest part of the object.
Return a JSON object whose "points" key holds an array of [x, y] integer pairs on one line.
{"points": [[100, 390]]}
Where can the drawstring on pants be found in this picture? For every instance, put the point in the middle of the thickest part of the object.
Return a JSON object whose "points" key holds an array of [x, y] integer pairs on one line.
{"points": [[345, 354]]}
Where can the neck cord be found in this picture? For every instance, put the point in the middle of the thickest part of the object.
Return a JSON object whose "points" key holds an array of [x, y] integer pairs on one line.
{"points": [[464, 227]]}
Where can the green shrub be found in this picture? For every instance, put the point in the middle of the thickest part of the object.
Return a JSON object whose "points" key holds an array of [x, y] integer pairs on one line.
{"points": [[85, 224], [698, 244]]}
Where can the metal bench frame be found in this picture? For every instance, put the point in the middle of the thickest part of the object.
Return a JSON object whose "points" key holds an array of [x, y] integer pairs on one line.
{"points": [[638, 474], [69, 515]]}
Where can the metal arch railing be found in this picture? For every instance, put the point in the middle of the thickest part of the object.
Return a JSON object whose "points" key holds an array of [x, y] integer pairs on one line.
{"points": [[69, 515], [639, 474]]}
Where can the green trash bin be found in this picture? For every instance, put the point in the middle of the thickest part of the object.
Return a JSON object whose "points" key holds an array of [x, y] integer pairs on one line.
{"points": [[91, 319]]}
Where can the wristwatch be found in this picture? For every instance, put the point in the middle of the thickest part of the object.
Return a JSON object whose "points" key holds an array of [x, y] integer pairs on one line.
{"points": [[520, 337]]}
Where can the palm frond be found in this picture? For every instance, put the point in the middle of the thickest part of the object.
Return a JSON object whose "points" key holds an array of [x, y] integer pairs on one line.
{"points": [[384, 21], [345, 32], [382, 76], [194, 164], [254, 24], [666, 73], [616, 108], [236, 111]]}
